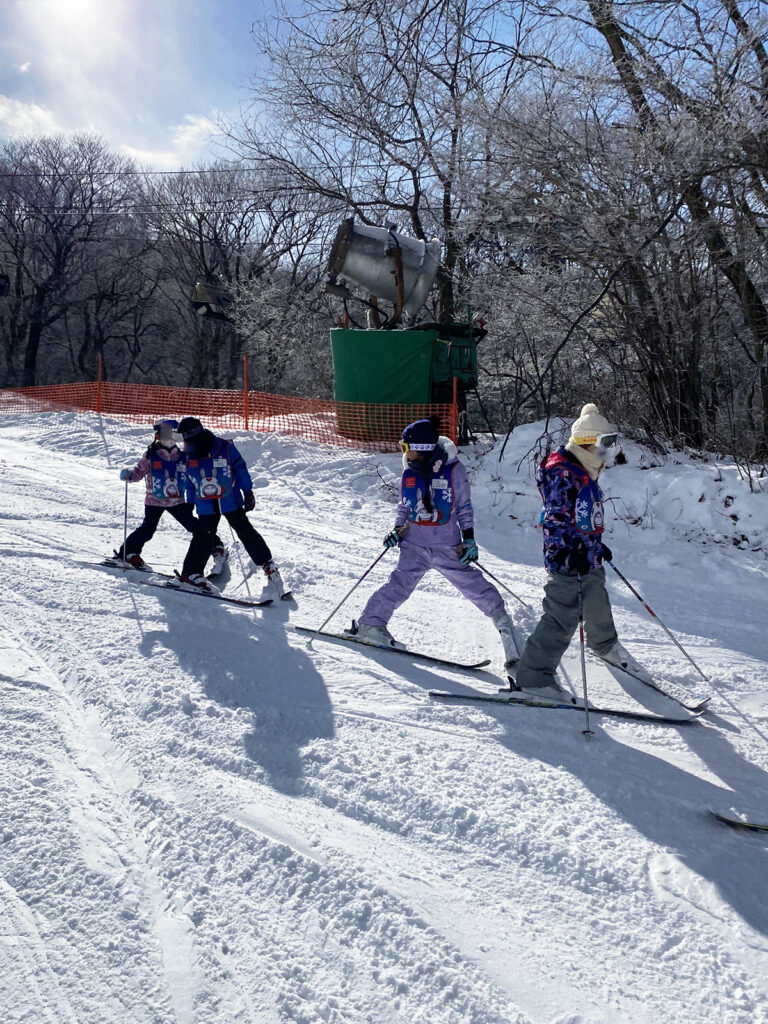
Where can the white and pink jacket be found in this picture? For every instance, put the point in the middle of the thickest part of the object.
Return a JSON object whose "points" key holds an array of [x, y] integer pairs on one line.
{"points": [[163, 471]]}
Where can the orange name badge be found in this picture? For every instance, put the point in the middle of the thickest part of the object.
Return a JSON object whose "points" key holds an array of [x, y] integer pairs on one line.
{"points": [[193, 463], [410, 481], [157, 465]]}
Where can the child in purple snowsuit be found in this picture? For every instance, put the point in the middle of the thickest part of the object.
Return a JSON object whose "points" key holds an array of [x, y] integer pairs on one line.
{"points": [[572, 523], [434, 528], [162, 467]]}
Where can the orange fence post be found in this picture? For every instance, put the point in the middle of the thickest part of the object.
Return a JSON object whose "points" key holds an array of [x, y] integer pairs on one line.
{"points": [[245, 389], [99, 374]]}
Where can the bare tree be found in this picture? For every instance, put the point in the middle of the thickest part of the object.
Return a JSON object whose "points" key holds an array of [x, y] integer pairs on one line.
{"points": [[58, 197], [369, 105]]}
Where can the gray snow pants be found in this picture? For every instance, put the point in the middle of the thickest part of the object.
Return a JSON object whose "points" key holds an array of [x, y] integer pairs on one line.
{"points": [[549, 641]]}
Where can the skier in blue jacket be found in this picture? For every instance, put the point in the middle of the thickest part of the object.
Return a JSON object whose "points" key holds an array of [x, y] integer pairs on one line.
{"points": [[218, 482]]}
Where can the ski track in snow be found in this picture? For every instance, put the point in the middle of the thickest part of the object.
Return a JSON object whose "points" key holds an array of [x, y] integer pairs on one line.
{"points": [[205, 821]]}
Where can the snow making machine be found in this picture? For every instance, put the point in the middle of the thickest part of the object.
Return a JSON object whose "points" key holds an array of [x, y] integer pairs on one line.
{"points": [[384, 363]]}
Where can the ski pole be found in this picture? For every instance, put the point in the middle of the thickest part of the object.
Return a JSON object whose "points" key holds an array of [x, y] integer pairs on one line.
{"points": [[502, 585], [653, 614], [586, 731], [125, 525], [236, 546], [346, 596]]}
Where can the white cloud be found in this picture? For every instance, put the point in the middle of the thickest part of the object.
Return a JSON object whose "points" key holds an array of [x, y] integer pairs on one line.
{"points": [[127, 70], [17, 118], [190, 143]]}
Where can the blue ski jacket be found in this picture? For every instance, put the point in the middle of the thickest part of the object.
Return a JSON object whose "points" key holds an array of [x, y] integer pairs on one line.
{"points": [[217, 482]]}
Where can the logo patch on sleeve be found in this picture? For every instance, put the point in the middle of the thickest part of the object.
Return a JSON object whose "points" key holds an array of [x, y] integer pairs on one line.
{"points": [[410, 481]]}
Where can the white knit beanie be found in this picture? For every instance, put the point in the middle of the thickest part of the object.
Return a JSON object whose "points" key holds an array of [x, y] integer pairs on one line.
{"points": [[590, 424]]}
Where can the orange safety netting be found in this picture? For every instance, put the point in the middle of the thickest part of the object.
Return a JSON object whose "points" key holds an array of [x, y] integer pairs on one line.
{"points": [[351, 424]]}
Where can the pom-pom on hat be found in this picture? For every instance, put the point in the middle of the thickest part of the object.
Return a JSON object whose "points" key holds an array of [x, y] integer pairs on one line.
{"points": [[589, 426], [422, 435]]}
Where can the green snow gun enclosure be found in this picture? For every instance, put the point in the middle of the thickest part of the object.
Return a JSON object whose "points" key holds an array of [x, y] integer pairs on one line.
{"points": [[398, 367]]}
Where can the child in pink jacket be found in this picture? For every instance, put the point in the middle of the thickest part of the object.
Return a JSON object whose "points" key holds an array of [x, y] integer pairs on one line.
{"points": [[162, 467]]}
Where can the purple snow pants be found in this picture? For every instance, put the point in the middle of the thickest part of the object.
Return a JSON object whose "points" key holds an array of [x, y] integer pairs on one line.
{"points": [[415, 562]]}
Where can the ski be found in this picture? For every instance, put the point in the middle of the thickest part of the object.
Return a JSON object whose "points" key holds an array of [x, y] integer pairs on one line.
{"points": [[750, 826], [531, 702], [167, 585], [681, 698], [113, 563], [163, 580], [395, 650]]}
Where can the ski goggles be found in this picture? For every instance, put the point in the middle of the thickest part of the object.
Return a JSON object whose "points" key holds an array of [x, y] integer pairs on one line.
{"points": [[406, 447], [607, 440]]}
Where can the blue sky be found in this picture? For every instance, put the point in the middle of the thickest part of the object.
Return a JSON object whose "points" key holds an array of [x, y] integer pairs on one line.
{"points": [[147, 75]]}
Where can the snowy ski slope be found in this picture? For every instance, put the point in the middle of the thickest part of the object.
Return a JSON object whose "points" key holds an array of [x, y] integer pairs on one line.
{"points": [[205, 822]]}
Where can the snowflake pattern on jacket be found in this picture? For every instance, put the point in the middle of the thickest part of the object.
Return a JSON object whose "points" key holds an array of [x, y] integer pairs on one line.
{"points": [[572, 512]]}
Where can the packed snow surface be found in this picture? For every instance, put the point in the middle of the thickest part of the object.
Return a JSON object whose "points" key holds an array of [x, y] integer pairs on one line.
{"points": [[205, 821]]}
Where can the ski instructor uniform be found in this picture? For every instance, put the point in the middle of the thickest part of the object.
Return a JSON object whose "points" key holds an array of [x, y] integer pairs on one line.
{"points": [[434, 528], [218, 482], [162, 467]]}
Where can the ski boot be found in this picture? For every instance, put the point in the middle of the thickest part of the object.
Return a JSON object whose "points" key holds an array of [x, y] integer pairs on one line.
{"points": [[193, 582], [378, 635], [129, 562], [219, 555], [272, 573], [503, 623], [552, 692], [621, 658]]}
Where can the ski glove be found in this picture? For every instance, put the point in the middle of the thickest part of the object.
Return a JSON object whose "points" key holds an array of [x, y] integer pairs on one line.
{"points": [[125, 474], [392, 539], [249, 501], [605, 553], [578, 560], [470, 552]]}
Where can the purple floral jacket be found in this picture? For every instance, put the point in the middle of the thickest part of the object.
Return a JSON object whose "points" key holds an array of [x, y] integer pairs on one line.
{"points": [[572, 512]]}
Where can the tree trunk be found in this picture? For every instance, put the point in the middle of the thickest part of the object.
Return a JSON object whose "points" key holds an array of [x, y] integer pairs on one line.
{"points": [[34, 334]]}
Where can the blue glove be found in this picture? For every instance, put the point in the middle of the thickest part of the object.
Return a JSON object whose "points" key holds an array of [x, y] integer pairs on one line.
{"points": [[470, 553], [125, 474], [392, 539]]}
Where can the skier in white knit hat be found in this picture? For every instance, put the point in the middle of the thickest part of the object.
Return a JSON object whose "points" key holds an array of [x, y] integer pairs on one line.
{"points": [[572, 523]]}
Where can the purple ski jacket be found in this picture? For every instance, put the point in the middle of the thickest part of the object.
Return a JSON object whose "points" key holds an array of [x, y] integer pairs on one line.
{"points": [[572, 510], [448, 485]]}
